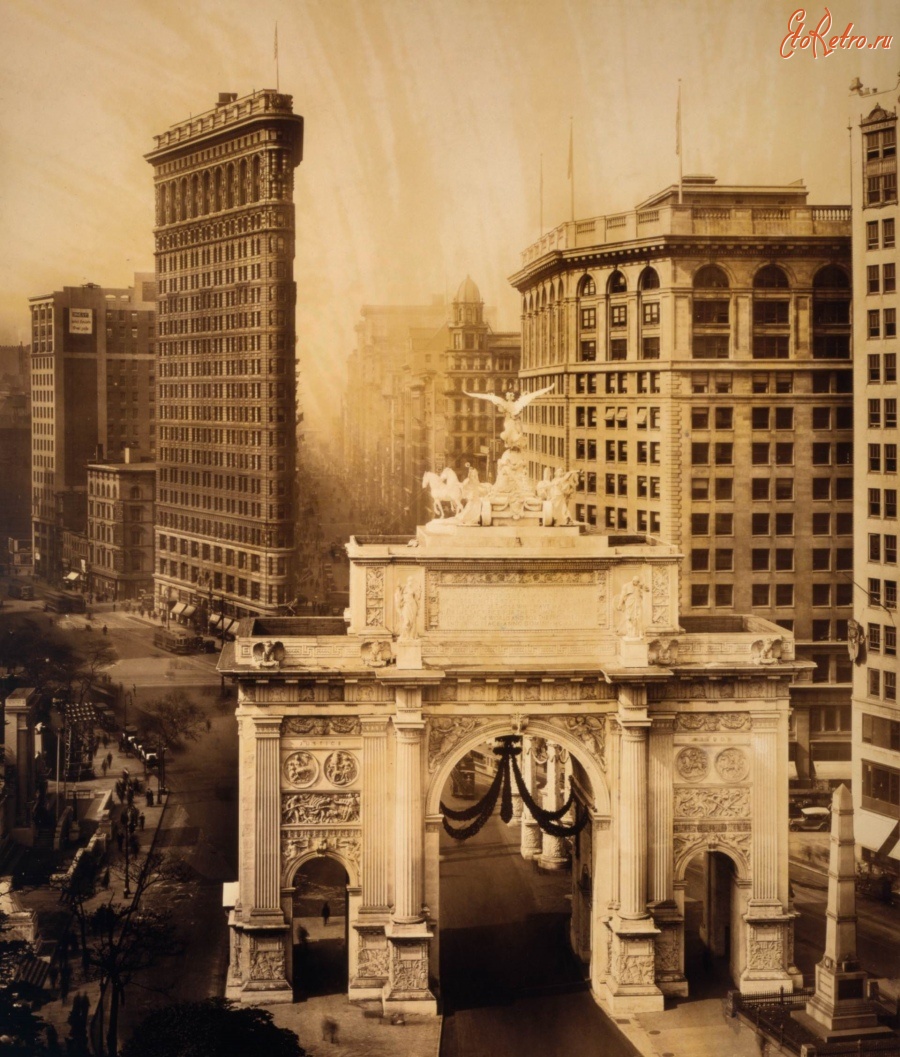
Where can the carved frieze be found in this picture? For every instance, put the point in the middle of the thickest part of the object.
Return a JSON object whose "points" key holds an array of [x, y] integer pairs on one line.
{"points": [[444, 734], [696, 721], [346, 843], [634, 968], [319, 809], [692, 764], [301, 769], [409, 968], [374, 596], [703, 802], [372, 961], [732, 765], [686, 844], [267, 963], [765, 953], [668, 951], [320, 726], [591, 732], [660, 596], [341, 768]]}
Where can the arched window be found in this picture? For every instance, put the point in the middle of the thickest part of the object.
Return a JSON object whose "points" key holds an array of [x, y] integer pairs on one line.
{"points": [[204, 202], [771, 277], [831, 277], [617, 283], [183, 200], [831, 314], [254, 179], [195, 195], [711, 315], [587, 287], [161, 214], [243, 183], [229, 186], [711, 277], [649, 279], [217, 191]]}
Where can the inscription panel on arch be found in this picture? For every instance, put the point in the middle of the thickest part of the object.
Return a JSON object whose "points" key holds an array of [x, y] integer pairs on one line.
{"points": [[524, 607]]}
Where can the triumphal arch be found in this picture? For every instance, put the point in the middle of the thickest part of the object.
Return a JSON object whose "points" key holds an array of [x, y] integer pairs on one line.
{"points": [[505, 621]]}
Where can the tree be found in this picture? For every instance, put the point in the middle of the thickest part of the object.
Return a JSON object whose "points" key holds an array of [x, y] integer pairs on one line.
{"points": [[173, 718], [213, 1028], [21, 1032]]}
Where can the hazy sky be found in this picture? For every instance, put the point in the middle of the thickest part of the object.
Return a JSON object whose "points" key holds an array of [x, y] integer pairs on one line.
{"points": [[425, 124]]}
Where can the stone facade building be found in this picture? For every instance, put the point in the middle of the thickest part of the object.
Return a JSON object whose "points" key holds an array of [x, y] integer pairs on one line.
{"points": [[120, 528], [700, 349], [674, 729], [876, 730], [93, 391], [225, 503]]}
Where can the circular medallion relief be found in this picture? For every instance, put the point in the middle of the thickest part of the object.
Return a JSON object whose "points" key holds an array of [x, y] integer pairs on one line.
{"points": [[692, 764], [732, 765], [341, 768], [301, 769]]}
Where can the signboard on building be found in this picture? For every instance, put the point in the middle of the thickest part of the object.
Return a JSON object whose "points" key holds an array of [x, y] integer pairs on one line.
{"points": [[81, 321]]}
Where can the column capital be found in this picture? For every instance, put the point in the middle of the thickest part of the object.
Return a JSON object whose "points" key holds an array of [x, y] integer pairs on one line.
{"points": [[409, 730], [373, 725], [632, 696], [267, 726], [662, 723], [634, 729]]}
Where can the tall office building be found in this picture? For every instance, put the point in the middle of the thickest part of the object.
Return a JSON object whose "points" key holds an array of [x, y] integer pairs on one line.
{"points": [[700, 348], [876, 715], [225, 503], [93, 387]]}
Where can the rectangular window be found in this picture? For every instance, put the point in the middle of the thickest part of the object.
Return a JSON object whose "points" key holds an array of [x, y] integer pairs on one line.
{"points": [[699, 524], [881, 788], [821, 594], [699, 595], [890, 458], [889, 278], [759, 524], [821, 559], [725, 454], [760, 560], [618, 316], [784, 454], [651, 313], [650, 348], [821, 454], [710, 347], [759, 488], [874, 367], [724, 595], [724, 559], [890, 549], [700, 559], [589, 319], [874, 547], [890, 366], [784, 559], [770, 313], [821, 524], [843, 523], [784, 488], [890, 502], [699, 418], [873, 638], [699, 488], [874, 591], [711, 313], [759, 417], [821, 488], [784, 524], [873, 325], [724, 525], [874, 502], [699, 454], [890, 413], [784, 418], [724, 418], [872, 235], [890, 322], [618, 349], [784, 594], [890, 686], [875, 458], [890, 640], [890, 594], [588, 351], [724, 488], [759, 595], [887, 233], [873, 279], [874, 414], [759, 453]]}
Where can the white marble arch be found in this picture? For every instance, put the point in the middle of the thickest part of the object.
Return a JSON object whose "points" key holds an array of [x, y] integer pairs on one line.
{"points": [[710, 842], [602, 833], [291, 867], [537, 728]]}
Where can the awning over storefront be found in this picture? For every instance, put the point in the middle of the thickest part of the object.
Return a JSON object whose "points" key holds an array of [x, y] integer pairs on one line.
{"points": [[189, 611], [178, 609], [71, 577], [833, 770], [215, 620], [229, 625]]}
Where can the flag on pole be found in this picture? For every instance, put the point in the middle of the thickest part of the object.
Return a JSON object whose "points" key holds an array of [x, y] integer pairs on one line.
{"points": [[678, 123], [276, 41]]}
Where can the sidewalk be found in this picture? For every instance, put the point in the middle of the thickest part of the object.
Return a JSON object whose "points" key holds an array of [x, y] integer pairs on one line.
{"points": [[54, 917]]}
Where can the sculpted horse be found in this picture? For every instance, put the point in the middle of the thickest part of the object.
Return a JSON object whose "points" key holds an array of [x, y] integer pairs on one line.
{"points": [[445, 488]]}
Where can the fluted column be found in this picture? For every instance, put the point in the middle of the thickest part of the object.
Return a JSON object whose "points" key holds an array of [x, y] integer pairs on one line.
{"points": [[554, 853], [267, 857], [409, 824], [764, 795], [375, 813], [659, 818], [531, 836], [633, 830]]}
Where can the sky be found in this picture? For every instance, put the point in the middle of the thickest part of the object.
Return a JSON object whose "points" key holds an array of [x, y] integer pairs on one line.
{"points": [[427, 126]]}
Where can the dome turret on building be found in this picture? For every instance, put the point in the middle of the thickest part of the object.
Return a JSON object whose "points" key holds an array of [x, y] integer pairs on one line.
{"points": [[468, 292]]}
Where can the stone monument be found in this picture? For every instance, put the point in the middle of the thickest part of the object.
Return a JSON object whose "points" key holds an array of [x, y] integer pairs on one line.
{"points": [[840, 1008]]}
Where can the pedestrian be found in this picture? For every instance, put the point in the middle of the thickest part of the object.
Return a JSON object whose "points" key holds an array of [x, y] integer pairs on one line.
{"points": [[109, 759], [141, 820], [208, 725], [149, 798], [329, 1029], [326, 914], [134, 845], [104, 629]]}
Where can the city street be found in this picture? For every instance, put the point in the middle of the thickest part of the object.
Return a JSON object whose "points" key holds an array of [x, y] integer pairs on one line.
{"points": [[510, 986]]}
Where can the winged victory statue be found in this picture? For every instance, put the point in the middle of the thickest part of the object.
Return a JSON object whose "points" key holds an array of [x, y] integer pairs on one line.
{"points": [[513, 436]]}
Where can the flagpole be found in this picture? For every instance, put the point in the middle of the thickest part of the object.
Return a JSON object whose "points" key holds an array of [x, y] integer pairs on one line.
{"points": [[542, 196], [277, 84], [572, 165], [678, 149]]}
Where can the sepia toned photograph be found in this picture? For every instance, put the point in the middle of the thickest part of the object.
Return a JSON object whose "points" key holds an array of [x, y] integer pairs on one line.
{"points": [[448, 529]]}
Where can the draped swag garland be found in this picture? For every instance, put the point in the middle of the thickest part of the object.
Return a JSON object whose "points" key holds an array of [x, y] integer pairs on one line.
{"points": [[501, 789]]}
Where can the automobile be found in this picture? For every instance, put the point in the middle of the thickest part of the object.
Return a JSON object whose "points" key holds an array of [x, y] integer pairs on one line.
{"points": [[150, 757], [811, 819]]}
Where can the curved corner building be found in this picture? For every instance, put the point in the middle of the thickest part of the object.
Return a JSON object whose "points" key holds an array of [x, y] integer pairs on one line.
{"points": [[226, 379]]}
